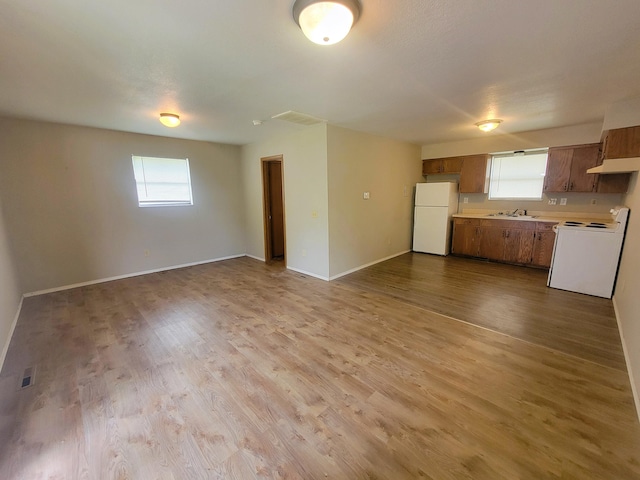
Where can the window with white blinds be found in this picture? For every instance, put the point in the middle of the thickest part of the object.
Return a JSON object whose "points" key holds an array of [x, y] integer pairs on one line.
{"points": [[162, 181], [518, 175]]}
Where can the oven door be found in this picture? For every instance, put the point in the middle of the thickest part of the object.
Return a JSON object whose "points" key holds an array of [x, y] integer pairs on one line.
{"points": [[585, 261]]}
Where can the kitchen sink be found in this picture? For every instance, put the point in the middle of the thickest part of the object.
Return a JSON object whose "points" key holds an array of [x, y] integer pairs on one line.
{"points": [[509, 215]]}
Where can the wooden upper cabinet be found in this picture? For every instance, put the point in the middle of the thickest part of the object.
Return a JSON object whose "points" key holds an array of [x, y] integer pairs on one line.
{"points": [[584, 158], [622, 143], [567, 168], [556, 178], [474, 177], [449, 165]]}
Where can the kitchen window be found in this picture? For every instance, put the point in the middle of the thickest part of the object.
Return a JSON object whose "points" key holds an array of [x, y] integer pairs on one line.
{"points": [[162, 182], [518, 175]]}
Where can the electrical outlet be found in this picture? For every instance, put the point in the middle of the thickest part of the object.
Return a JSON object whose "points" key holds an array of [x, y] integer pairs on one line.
{"points": [[146, 253], [314, 214], [365, 195], [465, 200], [405, 191], [553, 201], [563, 201]]}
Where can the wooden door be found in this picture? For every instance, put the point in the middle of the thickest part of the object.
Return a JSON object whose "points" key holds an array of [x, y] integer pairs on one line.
{"points": [[518, 245], [543, 248], [474, 174], [452, 165], [492, 243], [274, 227], [583, 158], [465, 237], [556, 178], [431, 167]]}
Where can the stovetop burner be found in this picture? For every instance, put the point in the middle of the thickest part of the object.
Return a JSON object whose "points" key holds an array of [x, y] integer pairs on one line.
{"points": [[570, 223], [596, 225]]}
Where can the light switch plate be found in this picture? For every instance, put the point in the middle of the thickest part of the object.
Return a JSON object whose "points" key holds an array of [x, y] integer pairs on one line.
{"points": [[365, 195]]}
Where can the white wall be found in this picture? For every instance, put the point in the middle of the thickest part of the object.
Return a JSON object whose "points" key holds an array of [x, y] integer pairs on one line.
{"points": [[627, 294], [305, 195], [495, 142], [71, 206], [365, 231], [9, 289]]}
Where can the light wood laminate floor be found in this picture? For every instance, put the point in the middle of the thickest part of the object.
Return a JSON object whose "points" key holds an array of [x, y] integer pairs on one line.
{"points": [[238, 370]]}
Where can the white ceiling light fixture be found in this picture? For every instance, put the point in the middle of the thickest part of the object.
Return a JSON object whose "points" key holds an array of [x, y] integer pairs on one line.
{"points": [[326, 22], [169, 120], [488, 125]]}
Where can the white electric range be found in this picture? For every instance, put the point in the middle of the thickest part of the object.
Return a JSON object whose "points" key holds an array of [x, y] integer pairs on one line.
{"points": [[586, 255]]}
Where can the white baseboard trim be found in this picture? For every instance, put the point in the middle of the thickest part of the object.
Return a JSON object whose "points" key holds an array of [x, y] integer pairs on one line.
{"points": [[367, 265], [634, 390], [5, 349], [303, 272], [128, 275], [254, 257]]}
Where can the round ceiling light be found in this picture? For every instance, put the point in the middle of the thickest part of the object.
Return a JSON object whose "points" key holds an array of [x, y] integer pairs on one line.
{"points": [[326, 22], [488, 125], [169, 119]]}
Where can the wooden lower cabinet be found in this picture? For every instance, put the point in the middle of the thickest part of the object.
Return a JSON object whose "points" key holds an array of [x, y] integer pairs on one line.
{"points": [[466, 237], [509, 241], [543, 248]]}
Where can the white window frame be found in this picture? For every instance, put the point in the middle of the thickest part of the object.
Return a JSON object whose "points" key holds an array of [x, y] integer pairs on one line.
{"points": [[160, 198], [494, 177]]}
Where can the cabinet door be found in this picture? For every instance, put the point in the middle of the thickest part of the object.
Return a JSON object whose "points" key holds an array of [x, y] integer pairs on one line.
{"points": [[556, 178], [543, 248], [452, 165], [518, 245], [474, 174], [582, 159], [623, 143], [492, 241], [431, 167], [465, 237], [613, 183]]}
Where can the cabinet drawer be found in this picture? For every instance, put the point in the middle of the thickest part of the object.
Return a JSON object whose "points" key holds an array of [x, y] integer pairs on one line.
{"points": [[466, 221], [544, 226], [509, 224]]}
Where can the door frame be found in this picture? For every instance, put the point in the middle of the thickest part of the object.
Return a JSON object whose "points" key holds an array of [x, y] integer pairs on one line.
{"points": [[266, 201]]}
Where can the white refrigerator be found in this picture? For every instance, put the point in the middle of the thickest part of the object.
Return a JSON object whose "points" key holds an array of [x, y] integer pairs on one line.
{"points": [[432, 222]]}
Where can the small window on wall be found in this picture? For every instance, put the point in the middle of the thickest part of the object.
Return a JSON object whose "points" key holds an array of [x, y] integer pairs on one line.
{"points": [[162, 182], [518, 175]]}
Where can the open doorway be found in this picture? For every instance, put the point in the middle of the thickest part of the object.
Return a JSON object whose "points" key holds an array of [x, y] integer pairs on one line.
{"points": [[273, 195]]}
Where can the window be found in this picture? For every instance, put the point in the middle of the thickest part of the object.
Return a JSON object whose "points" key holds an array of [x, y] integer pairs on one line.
{"points": [[162, 181], [518, 175]]}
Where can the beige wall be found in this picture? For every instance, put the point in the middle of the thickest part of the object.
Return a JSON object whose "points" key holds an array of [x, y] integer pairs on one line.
{"points": [[365, 231], [71, 207], [627, 294], [305, 190], [9, 289]]}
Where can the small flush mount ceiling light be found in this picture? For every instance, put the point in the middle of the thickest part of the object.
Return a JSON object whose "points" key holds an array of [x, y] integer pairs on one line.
{"points": [[169, 120], [488, 125], [326, 22]]}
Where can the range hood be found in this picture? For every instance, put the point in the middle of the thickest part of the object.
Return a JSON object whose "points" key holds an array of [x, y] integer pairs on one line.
{"points": [[617, 165]]}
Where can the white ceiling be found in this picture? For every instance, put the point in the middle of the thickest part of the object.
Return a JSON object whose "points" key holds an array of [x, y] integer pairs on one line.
{"points": [[423, 71]]}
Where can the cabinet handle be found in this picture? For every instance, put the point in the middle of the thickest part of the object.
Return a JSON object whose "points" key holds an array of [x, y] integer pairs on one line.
{"points": [[564, 187], [571, 186]]}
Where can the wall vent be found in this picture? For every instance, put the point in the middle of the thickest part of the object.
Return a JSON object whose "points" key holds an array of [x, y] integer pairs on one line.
{"points": [[28, 377], [299, 118]]}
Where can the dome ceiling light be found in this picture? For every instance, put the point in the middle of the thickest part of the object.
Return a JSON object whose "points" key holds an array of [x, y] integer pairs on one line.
{"points": [[488, 125], [169, 119], [326, 22]]}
